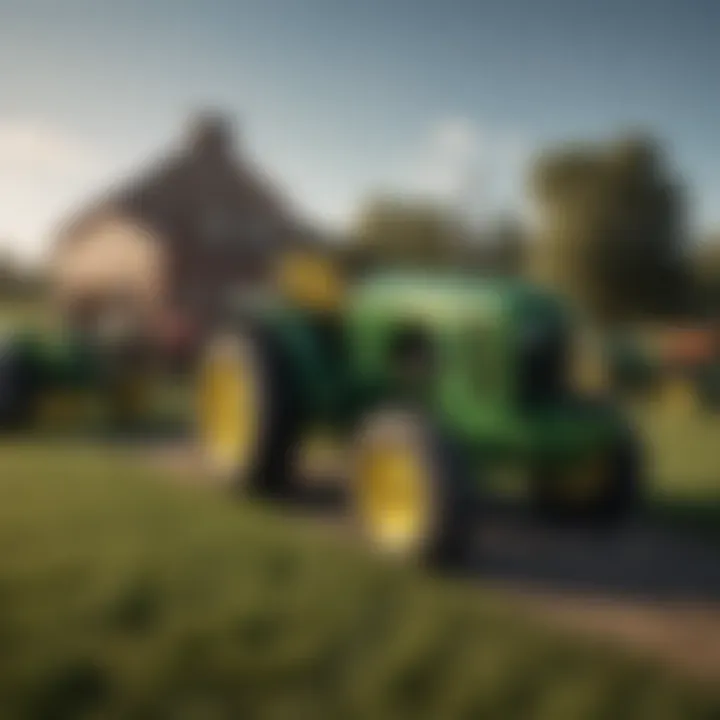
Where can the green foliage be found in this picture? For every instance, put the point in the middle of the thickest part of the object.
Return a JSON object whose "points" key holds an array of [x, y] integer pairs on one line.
{"points": [[391, 231], [706, 273], [612, 229], [396, 231], [122, 596], [498, 249]]}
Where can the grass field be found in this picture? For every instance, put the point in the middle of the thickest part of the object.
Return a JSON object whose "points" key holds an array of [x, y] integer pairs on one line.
{"points": [[683, 467], [122, 596]]}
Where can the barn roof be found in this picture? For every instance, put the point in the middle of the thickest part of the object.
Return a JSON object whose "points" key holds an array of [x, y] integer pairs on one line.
{"points": [[208, 148]]}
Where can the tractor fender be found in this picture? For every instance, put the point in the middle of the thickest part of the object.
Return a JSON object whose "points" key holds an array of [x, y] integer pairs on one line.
{"points": [[303, 358]]}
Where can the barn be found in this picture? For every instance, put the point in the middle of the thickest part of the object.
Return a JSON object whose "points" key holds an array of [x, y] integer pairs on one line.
{"points": [[178, 238]]}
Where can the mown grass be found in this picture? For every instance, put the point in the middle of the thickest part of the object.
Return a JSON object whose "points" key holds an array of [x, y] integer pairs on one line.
{"points": [[125, 597], [683, 466], [682, 450]]}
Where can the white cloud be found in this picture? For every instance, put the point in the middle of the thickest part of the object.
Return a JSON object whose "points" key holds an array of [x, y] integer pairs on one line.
{"points": [[33, 147], [44, 171], [479, 169], [456, 138]]}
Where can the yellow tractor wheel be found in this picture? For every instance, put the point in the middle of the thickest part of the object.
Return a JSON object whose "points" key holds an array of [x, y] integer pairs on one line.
{"points": [[246, 415], [410, 494], [228, 409]]}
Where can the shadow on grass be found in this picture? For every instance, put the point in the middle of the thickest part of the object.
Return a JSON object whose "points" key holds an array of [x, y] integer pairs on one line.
{"points": [[666, 554]]}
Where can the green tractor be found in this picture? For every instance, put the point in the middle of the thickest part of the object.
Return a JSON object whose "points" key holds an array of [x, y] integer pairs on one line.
{"points": [[434, 380], [62, 379]]}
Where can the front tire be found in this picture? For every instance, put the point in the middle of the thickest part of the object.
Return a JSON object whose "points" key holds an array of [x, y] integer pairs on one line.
{"points": [[248, 419], [410, 494]]}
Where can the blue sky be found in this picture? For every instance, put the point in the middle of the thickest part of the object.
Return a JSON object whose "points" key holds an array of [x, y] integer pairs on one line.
{"points": [[336, 97]]}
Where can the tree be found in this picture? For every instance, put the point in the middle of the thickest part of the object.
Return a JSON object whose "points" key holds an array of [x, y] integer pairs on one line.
{"points": [[706, 275], [397, 231], [611, 229], [508, 246], [498, 248]]}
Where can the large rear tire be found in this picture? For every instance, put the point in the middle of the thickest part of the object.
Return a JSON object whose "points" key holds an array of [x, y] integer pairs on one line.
{"points": [[411, 495], [248, 419]]}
